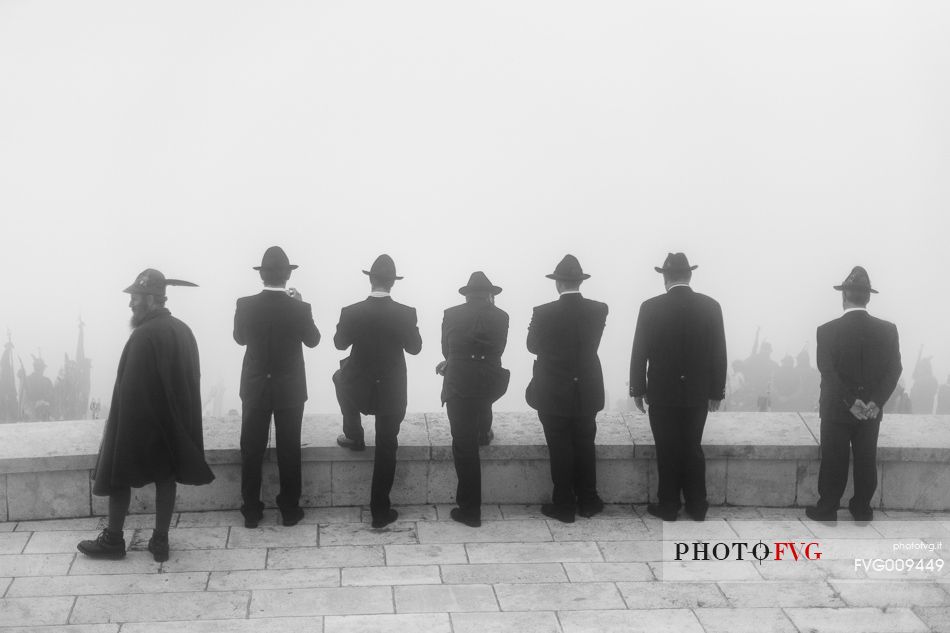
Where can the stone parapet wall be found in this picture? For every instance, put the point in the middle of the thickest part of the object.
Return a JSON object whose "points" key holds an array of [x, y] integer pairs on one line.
{"points": [[763, 459]]}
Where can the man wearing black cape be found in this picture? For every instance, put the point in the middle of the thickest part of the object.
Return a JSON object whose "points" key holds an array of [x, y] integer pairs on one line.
{"points": [[154, 431]]}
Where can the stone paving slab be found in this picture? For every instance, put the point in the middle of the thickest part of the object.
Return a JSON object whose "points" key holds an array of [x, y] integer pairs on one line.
{"points": [[184, 538], [391, 575], [503, 573], [108, 584], [429, 554], [160, 606], [35, 611], [634, 621], [564, 596], [609, 572], [313, 557], [671, 595], [569, 552], [780, 594], [362, 534], [330, 601], [13, 542], [215, 560], [444, 598], [257, 625], [273, 536], [274, 579], [506, 622], [850, 620], [599, 529], [490, 531], [769, 619], [34, 564], [64, 628], [397, 623], [133, 563], [871, 593]]}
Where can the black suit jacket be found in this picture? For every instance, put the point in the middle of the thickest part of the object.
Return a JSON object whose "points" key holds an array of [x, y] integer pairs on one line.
{"points": [[474, 335], [379, 329], [859, 358], [273, 326], [679, 350], [567, 378]]}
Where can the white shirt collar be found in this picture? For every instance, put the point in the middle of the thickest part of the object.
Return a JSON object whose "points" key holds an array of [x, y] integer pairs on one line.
{"points": [[679, 283], [272, 289], [379, 294], [570, 292], [855, 310]]}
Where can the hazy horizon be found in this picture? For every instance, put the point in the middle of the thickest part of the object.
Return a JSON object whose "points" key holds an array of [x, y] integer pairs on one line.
{"points": [[777, 146]]}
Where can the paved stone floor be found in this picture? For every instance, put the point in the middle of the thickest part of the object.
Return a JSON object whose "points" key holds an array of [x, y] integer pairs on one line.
{"points": [[519, 572]]}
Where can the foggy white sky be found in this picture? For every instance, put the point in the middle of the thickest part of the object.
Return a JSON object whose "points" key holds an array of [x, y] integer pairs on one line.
{"points": [[776, 145]]}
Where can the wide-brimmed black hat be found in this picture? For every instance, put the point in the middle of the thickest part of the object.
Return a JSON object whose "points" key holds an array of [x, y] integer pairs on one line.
{"points": [[275, 259], [568, 269], [478, 281], [153, 282], [675, 263], [384, 267], [857, 280]]}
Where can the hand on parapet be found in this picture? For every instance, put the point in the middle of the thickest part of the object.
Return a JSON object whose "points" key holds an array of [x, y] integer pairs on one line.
{"points": [[714, 405]]}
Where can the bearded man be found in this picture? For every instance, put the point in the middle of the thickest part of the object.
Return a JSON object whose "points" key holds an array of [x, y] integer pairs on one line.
{"points": [[154, 431]]}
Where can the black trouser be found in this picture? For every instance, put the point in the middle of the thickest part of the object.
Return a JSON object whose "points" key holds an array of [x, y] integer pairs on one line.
{"points": [[570, 442], [467, 418], [255, 426], [838, 440], [680, 461], [384, 456], [352, 424]]}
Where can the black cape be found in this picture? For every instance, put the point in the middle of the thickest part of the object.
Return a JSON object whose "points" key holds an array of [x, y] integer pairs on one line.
{"points": [[154, 430]]}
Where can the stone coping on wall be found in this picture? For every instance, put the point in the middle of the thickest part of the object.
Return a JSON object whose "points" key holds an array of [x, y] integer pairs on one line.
{"points": [[73, 445]]}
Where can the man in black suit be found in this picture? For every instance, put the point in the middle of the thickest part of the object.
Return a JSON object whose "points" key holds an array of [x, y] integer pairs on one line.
{"points": [[474, 335], [372, 380], [860, 362], [272, 325], [567, 390], [678, 368]]}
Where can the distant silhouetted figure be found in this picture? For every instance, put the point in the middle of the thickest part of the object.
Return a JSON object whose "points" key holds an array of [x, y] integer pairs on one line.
{"points": [[37, 397], [943, 398], [786, 385], [808, 381], [899, 401], [924, 390]]}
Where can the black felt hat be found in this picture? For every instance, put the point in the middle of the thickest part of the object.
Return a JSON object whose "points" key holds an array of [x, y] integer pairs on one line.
{"points": [[675, 263], [384, 267], [568, 269], [857, 280], [275, 259], [153, 282], [478, 281]]}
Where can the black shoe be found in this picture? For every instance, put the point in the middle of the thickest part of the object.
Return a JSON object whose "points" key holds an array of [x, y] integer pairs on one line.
{"points": [[107, 545], [484, 439], [561, 513], [659, 512], [252, 517], [825, 516], [353, 445], [385, 519], [862, 515], [697, 515], [467, 519], [158, 546], [590, 508], [292, 516]]}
